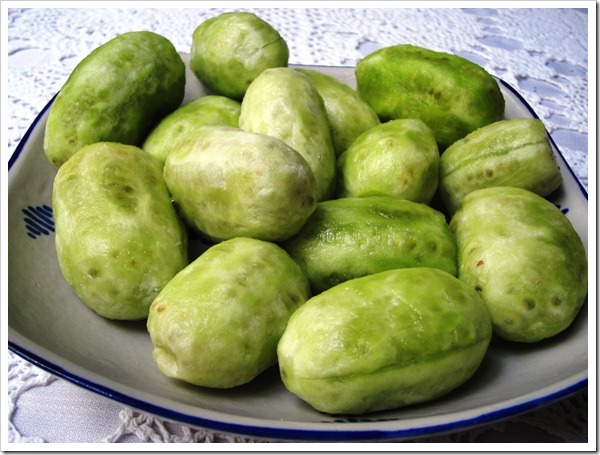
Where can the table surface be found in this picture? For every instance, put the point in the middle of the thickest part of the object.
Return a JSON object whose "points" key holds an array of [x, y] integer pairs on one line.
{"points": [[543, 53]]}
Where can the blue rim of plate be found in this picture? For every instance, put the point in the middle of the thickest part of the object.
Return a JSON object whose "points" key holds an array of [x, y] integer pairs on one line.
{"points": [[296, 434], [290, 434]]}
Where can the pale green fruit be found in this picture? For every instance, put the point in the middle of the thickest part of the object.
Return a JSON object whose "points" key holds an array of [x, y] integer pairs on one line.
{"points": [[206, 110], [521, 253], [513, 152], [284, 103], [231, 183], [399, 158], [217, 323], [118, 237], [118, 93], [384, 341], [347, 113], [231, 49]]}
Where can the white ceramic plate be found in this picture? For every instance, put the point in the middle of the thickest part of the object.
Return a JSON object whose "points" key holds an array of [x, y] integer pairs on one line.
{"points": [[50, 327]]}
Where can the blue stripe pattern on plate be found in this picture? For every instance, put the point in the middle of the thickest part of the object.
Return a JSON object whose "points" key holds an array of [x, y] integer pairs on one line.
{"points": [[38, 220]]}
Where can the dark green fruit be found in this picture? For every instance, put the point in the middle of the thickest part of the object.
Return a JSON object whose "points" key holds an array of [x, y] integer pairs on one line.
{"points": [[353, 237], [452, 95]]}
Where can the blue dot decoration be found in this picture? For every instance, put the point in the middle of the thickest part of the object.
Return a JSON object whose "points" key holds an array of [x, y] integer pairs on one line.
{"points": [[564, 210]]}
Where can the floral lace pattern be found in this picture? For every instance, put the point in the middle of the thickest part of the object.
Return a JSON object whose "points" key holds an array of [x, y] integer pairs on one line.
{"points": [[544, 57]]}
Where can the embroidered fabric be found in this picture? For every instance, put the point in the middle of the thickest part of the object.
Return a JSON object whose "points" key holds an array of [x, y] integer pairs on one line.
{"points": [[540, 52]]}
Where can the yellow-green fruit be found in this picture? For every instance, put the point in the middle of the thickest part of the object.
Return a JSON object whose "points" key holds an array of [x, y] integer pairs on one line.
{"points": [[206, 110], [118, 238], [284, 103], [512, 152], [347, 113], [399, 158], [218, 321], [231, 49], [452, 95], [352, 237], [384, 341], [231, 183], [118, 93], [521, 253]]}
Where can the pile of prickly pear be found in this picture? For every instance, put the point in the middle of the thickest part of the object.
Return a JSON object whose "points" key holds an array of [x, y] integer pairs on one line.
{"points": [[369, 240]]}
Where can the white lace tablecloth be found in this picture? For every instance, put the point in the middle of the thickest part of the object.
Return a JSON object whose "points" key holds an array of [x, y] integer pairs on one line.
{"points": [[543, 53]]}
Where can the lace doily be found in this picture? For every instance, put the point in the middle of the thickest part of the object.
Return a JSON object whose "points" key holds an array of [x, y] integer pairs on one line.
{"points": [[541, 52], [558, 422]]}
